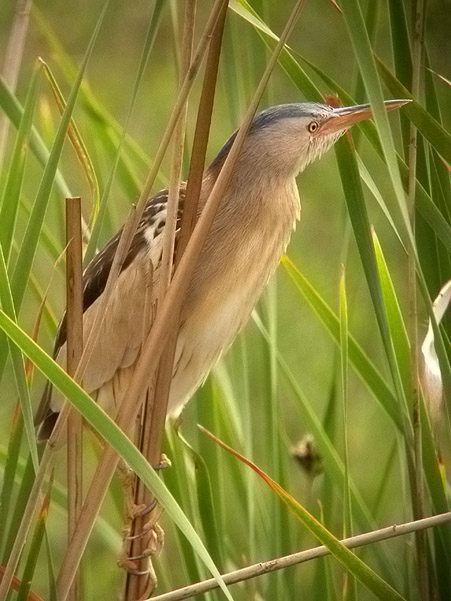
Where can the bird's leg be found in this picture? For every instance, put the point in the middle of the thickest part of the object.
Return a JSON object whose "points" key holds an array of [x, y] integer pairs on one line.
{"points": [[133, 511], [127, 478], [143, 537], [146, 536]]}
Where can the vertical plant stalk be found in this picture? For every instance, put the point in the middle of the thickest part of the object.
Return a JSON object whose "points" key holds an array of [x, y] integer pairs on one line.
{"points": [[349, 584], [145, 535], [201, 135], [418, 497], [156, 413], [418, 491], [12, 61], [74, 312]]}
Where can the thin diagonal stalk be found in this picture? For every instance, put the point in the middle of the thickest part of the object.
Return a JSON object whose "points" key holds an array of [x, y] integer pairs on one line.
{"points": [[15, 175], [281, 563], [122, 139], [350, 580], [78, 145]]}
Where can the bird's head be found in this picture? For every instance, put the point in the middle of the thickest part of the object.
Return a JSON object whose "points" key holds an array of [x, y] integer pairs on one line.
{"points": [[284, 139]]}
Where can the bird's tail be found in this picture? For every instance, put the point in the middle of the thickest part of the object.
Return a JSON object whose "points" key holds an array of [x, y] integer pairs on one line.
{"points": [[45, 418]]}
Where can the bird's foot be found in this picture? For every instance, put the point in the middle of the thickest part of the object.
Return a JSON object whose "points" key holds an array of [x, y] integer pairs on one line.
{"points": [[152, 541], [139, 511], [141, 542]]}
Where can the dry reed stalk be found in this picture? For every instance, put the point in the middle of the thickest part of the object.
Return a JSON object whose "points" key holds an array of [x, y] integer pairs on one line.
{"points": [[201, 135], [281, 563], [144, 537], [156, 413]]}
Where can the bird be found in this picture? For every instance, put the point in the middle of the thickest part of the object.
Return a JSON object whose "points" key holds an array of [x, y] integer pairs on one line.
{"points": [[249, 234]]}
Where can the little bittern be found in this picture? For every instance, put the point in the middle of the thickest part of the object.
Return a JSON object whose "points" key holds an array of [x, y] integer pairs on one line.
{"points": [[249, 234]]}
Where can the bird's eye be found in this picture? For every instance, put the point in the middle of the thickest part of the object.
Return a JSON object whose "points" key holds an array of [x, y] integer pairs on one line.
{"points": [[313, 127]]}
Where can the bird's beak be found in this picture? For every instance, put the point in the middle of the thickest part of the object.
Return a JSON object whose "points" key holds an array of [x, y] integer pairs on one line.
{"points": [[344, 117]]}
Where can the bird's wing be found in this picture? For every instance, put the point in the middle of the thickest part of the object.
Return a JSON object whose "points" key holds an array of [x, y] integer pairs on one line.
{"points": [[128, 314], [127, 318]]}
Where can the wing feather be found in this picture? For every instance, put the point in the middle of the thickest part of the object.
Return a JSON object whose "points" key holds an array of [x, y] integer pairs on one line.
{"points": [[129, 314], [122, 330]]}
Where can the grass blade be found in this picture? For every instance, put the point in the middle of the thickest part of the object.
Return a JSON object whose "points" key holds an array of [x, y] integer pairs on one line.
{"points": [[99, 420], [364, 368], [10, 200], [351, 562], [360, 222]]}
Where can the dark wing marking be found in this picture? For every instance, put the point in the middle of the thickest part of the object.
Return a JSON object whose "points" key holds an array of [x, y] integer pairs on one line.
{"points": [[96, 274], [95, 278]]}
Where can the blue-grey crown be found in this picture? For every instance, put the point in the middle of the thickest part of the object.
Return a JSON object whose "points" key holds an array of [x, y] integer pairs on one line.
{"points": [[286, 111], [268, 117]]}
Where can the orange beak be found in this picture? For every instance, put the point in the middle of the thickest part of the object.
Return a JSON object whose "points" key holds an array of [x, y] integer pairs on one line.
{"points": [[344, 117]]}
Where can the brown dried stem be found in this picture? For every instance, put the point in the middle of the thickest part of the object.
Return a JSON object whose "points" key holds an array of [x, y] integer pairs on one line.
{"points": [[155, 414], [141, 581], [201, 135]]}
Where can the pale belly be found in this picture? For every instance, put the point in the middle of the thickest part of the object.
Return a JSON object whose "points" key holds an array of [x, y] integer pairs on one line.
{"points": [[220, 315]]}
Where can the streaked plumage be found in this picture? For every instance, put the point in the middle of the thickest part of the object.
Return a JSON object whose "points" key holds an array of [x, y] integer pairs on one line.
{"points": [[249, 234]]}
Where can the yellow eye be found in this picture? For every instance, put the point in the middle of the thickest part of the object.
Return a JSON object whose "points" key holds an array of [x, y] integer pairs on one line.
{"points": [[312, 127]]}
